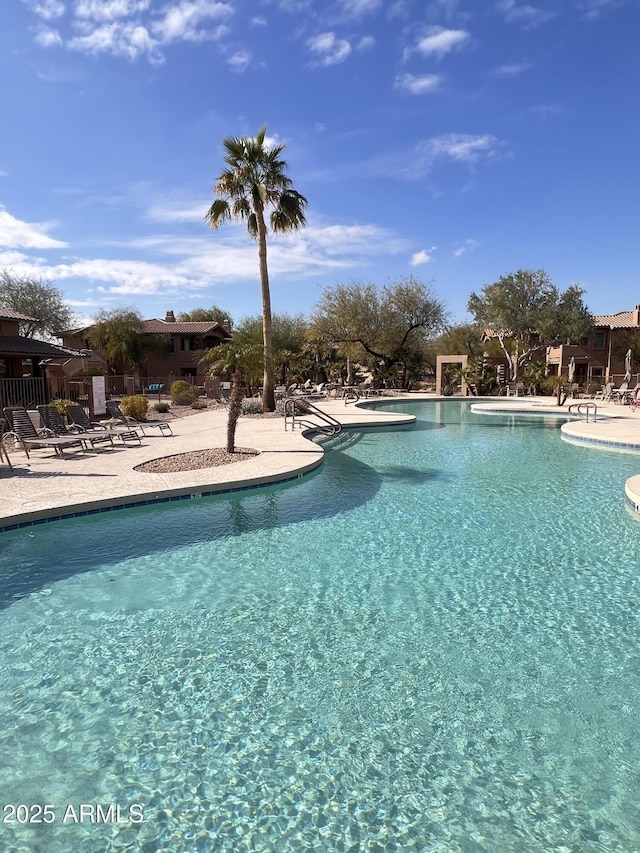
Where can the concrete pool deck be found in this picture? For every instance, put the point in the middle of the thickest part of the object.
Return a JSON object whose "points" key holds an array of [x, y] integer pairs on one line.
{"points": [[45, 487]]}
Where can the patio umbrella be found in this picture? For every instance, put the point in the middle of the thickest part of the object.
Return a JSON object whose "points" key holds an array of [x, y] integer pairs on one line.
{"points": [[627, 366], [572, 370]]}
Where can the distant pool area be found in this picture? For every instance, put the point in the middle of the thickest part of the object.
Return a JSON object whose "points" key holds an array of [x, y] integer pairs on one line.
{"points": [[431, 643]]}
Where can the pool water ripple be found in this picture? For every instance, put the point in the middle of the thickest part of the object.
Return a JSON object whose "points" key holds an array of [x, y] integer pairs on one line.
{"points": [[432, 644]]}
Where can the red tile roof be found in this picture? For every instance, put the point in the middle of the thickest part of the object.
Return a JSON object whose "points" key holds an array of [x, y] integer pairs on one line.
{"points": [[10, 314], [161, 327], [621, 320]]}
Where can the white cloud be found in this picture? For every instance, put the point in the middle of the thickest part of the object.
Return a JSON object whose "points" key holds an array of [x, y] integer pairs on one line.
{"points": [[14, 233], [119, 28], [10, 259], [258, 21], [329, 49], [47, 9], [366, 43], [418, 85], [240, 60], [422, 257], [459, 147], [528, 16], [467, 246], [109, 10], [511, 70], [185, 265], [48, 38], [439, 41], [357, 8], [170, 213], [183, 21], [128, 40], [593, 9]]}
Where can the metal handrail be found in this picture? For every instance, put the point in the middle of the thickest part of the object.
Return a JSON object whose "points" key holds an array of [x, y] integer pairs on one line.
{"points": [[296, 406], [584, 410]]}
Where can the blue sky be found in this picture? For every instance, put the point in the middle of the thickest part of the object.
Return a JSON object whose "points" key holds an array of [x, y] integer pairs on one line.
{"points": [[454, 141]]}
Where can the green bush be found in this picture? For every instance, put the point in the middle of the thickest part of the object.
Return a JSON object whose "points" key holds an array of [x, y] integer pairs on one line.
{"points": [[183, 394], [162, 408], [135, 407], [61, 407], [252, 406]]}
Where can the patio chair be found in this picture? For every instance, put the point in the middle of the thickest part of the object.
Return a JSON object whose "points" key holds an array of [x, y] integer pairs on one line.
{"points": [[56, 424], [4, 453], [604, 395], [619, 395], [116, 414], [86, 426], [25, 434]]}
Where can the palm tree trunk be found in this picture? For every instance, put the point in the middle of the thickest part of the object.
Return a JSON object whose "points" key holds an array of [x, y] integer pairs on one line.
{"points": [[235, 408], [268, 394]]}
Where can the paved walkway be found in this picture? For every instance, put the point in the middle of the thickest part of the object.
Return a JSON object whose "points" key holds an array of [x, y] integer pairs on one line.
{"points": [[45, 486]]}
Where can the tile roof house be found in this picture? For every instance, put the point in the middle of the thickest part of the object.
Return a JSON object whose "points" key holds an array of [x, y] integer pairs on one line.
{"points": [[601, 358], [24, 362], [20, 356], [186, 342]]}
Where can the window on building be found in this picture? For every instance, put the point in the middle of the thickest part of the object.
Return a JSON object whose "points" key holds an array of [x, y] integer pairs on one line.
{"points": [[599, 339]]}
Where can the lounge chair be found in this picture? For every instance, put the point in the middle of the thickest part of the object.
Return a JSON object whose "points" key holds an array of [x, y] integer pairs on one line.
{"points": [[25, 434], [56, 424], [4, 453], [88, 427], [619, 395], [116, 414], [605, 392]]}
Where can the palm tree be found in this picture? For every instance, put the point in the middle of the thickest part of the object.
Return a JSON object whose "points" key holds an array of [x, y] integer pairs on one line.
{"points": [[254, 182]]}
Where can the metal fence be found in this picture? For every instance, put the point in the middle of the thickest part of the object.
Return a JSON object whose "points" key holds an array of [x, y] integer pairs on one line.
{"points": [[29, 392]]}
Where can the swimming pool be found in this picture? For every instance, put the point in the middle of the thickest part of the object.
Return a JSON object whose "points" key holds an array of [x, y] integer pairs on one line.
{"points": [[430, 644]]}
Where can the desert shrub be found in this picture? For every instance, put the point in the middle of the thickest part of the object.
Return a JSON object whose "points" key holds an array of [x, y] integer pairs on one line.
{"points": [[162, 408], [183, 394], [252, 406], [198, 404], [135, 407], [61, 407]]}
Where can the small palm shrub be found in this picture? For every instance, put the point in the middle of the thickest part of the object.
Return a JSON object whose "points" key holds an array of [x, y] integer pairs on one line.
{"points": [[161, 408], [183, 394], [135, 407]]}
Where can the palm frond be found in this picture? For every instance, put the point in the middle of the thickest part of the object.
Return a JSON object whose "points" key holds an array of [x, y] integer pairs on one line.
{"points": [[218, 213], [289, 214]]}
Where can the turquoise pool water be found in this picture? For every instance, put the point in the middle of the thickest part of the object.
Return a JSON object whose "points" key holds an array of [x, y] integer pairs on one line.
{"points": [[432, 644]]}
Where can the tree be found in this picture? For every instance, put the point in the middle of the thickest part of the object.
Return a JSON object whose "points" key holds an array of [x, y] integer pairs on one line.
{"points": [[255, 182], [38, 299], [119, 337], [244, 352], [386, 328], [287, 340], [526, 313], [203, 315]]}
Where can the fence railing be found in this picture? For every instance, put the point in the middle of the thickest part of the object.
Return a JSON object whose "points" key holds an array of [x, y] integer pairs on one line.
{"points": [[38, 391], [30, 392]]}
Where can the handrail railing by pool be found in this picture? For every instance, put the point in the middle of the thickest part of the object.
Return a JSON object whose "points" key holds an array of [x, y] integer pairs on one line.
{"points": [[295, 407], [584, 410]]}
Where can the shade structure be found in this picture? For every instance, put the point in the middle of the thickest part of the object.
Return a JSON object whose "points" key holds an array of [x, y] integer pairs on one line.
{"points": [[572, 369]]}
